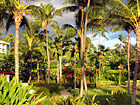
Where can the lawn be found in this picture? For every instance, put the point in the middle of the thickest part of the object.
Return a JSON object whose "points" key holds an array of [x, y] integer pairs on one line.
{"points": [[101, 94], [106, 91]]}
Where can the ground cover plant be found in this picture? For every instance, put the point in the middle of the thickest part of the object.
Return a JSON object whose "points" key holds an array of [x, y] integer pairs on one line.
{"points": [[14, 93]]}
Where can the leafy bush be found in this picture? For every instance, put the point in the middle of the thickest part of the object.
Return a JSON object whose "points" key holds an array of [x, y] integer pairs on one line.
{"points": [[13, 93], [74, 92], [116, 99], [48, 90], [73, 101], [123, 79]]}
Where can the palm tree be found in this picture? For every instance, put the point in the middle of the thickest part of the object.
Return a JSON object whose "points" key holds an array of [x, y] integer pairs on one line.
{"points": [[120, 47], [60, 39], [130, 14], [17, 11], [10, 39], [101, 31], [124, 25], [31, 42], [80, 5], [44, 15]]}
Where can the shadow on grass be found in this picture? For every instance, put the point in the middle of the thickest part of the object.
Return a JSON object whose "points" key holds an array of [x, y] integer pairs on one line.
{"points": [[48, 90]]}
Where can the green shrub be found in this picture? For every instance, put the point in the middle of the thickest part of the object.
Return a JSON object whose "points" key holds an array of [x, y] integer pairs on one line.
{"points": [[48, 90], [123, 79], [13, 93], [74, 92], [73, 101], [117, 98]]}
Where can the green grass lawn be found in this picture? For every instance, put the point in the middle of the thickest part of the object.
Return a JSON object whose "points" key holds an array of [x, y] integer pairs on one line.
{"points": [[105, 92], [101, 94]]}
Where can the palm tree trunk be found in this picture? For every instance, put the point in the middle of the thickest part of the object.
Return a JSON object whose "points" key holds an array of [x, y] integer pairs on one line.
{"points": [[82, 77], [85, 83], [48, 55], [82, 21], [16, 50], [99, 72], [120, 74], [84, 44], [85, 31], [99, 61], [38, 77], [30, 77], [60, 59], [82, 55], [129, 38], [137, 30], [58, 72], [75, 70], [96, 78]]}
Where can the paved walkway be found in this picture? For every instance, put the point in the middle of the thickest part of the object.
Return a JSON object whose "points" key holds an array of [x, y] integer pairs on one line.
{"points": [[65, 94]]}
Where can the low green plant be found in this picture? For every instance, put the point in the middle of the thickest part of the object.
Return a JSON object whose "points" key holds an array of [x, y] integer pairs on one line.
{"points": [[48, 90], [74, 92], [117, 98], [74, 100], [13, 93]]}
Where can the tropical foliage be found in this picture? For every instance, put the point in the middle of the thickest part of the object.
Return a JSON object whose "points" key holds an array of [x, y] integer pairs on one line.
{"points": [[43, 50]]}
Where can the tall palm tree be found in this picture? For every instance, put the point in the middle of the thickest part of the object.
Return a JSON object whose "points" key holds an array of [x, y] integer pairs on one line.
{"points": [[80, 5], [101, 31], [62, 36], [120, 47], [44, 16], [31, 42], [130, 14], [121, 26], [17, 11]]}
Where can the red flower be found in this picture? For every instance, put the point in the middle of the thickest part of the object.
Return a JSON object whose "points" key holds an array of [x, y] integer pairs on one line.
{"points": [[88, 82]]}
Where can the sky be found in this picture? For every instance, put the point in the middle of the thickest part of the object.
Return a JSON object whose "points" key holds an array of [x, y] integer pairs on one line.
{"points": [[68, 18]]}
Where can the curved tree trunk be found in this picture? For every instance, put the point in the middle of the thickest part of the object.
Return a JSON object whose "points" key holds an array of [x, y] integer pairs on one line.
{"points": [[48, 56], [137, 30], [129, 38]]}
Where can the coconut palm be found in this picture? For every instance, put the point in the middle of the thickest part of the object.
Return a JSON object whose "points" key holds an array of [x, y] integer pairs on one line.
{"points": [[17, 12], [31, 41], [120, 47], [62, 38], [44, 16], [101, 31], [121, 25], [80, 5], [130, 14]]}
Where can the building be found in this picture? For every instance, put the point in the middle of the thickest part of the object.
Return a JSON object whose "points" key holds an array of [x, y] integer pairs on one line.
{"points": [[4, 46]]}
